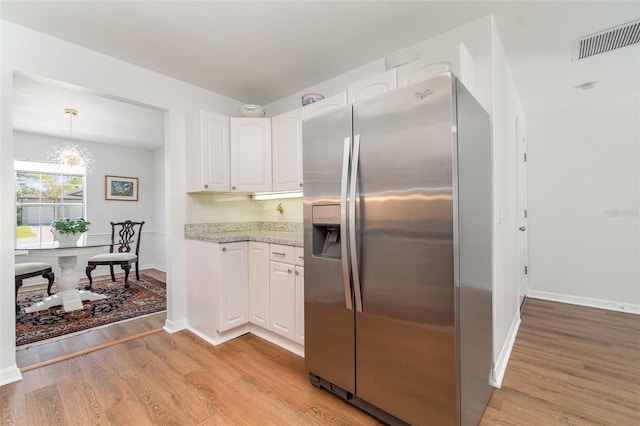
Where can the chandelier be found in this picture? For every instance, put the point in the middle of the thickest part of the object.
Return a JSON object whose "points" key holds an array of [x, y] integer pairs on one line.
{"points": [[69, 155]]}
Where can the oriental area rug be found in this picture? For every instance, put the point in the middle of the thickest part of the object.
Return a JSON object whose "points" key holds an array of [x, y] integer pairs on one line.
{"points": [[143, 297]]}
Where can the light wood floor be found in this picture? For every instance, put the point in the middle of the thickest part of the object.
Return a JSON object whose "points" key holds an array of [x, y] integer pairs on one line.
{"points": [[570, 366]]}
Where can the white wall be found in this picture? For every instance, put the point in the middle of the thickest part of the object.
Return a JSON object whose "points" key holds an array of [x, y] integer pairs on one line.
{"points": [[584, 185], [224, 208], [505, 112], [114, 161], [31, 52], [155, 237]]}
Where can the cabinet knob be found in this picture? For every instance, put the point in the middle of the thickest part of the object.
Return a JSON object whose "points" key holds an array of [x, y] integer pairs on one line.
{"points": [[206, 186], [300, 184], [289, 270], [224, 249], [297, 272], [233, 187]]}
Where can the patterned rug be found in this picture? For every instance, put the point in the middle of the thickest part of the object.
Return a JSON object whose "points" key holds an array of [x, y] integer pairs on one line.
{"points": [[143, 297]]}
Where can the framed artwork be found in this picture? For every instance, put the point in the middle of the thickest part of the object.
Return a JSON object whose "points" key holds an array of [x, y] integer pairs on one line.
{"points": [[120, 188]]}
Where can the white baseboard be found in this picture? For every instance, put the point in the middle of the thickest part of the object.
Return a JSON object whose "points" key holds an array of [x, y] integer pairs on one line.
{"points": [[278, 340], [267, 335], [610, 305], [10, 375], [500, 366], [175, 326], [221, 337]]}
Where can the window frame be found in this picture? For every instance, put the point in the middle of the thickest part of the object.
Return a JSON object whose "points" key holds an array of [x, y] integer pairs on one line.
{"points": [[59, 171]]}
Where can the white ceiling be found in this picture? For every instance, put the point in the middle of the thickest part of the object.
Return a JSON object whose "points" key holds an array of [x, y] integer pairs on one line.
{"points": [[258, 52]]}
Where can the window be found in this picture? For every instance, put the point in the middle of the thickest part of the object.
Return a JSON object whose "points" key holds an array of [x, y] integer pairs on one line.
{"points": [[44, 192]]}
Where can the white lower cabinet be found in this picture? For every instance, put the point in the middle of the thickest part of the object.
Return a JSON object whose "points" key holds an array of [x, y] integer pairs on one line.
{"points": [[218, 287], [282, 297], [299, 316], [259, 284], [233, 284]]}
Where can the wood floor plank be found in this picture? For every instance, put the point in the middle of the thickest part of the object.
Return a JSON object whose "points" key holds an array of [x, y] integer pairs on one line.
{"points": [[45, 407]]}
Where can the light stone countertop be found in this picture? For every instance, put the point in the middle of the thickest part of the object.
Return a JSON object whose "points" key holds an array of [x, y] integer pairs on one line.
{"points": [[272, 237]]}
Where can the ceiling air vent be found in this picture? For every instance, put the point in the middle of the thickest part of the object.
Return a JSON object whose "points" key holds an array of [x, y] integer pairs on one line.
{"points": [[607, 40]]}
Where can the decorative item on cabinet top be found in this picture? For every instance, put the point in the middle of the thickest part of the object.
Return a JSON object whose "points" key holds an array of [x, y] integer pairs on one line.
{"points": [[250, 110], [310, 98]]}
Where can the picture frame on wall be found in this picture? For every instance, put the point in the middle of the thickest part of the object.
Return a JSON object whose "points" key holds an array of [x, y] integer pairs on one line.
{"points": [[120, 188]]}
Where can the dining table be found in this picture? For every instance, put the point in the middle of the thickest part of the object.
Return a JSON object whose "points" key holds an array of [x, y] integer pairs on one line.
{"points": [[69, 296]]}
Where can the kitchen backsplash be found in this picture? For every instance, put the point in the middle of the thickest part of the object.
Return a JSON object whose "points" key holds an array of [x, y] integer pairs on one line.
{"points": [[223, 208]]}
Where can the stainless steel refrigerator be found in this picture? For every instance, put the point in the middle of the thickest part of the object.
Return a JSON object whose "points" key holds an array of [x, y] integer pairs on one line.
{"points": [[398, 254]]}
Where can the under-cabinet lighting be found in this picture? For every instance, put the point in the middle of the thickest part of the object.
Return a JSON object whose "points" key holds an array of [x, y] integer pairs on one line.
{"points": [[276, 195]]}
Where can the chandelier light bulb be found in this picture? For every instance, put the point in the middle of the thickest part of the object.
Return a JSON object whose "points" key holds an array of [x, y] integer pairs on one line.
{"points": [[69, 155]]}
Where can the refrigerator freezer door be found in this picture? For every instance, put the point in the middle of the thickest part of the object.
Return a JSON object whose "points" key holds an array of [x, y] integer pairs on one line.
{"points": [[405, 336], [329, 324]]}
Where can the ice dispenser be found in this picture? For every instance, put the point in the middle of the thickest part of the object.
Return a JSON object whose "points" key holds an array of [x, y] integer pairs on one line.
{"points": [[326, 231]]}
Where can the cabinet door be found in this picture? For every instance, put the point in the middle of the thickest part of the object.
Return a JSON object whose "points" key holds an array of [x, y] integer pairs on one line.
{"points": [[373, 86], [234, 286], [286, 133], [250, 154], [259, 284], [214, 155], [299, 326], [299, 256], [282, 296], [327, 104], [415, 72], [202, 286]]}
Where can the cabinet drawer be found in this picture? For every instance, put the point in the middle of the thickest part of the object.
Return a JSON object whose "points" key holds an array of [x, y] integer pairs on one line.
{"points": [[281, 253], [299, 253]]}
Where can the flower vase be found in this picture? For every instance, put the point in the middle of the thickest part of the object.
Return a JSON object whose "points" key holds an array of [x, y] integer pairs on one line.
{"points": [[69, 239]]}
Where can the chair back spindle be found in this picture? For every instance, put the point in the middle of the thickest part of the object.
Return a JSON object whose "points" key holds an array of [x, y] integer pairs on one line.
{"points": [[126, 232]]}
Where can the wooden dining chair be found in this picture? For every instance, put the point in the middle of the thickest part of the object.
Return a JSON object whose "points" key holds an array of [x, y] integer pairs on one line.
{"points": [[32, 269], [123, 235]]}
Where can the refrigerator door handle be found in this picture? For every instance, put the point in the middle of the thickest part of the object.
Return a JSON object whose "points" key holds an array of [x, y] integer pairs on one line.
{"points": [[343, 222], [352, 223]]}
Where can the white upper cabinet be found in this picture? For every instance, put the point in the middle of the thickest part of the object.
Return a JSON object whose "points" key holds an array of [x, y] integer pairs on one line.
{"points": [[372, 86], [327, 104], [208, 154], [286, 133], [415, 72], [250, 154]]}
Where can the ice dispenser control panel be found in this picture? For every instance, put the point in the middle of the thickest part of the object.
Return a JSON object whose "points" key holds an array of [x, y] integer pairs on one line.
{"points": [[326, 231]]}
